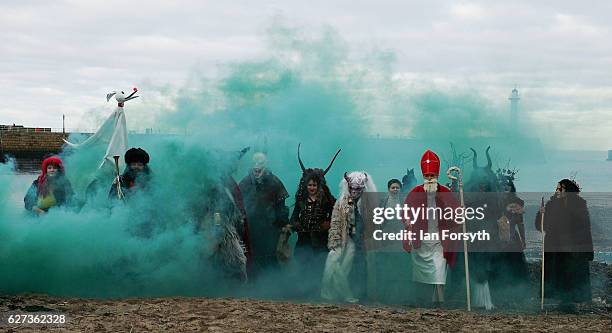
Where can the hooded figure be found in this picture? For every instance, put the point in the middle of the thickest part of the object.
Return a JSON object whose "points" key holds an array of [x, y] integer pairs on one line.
{"points": [[485, 255], [233, 188], [511, 279], [50, 189], [264, 201], [311, 220], [568, 246], [344, 277], [220, 222], [430, 257], [136, 176]]}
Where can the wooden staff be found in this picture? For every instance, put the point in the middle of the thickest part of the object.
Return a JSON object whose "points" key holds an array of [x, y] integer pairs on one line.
{"points": [[466, 262], [118, 181], [543, 238]]}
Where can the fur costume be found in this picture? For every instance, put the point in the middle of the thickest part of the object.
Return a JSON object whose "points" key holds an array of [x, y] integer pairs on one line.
{"points": [[346, 240]]}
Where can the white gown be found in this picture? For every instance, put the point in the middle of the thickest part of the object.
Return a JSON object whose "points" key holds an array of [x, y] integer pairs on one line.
{"points": [[335, 284], [428, 262]]}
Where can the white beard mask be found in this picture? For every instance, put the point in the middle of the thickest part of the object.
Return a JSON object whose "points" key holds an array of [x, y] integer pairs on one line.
{"points": [[431, 185]]}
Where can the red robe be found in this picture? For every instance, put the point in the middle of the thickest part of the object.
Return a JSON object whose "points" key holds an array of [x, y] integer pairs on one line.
{"points": [[418, 198]]}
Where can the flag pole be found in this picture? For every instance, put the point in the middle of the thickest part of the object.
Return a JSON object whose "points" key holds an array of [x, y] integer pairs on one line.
{"points": [[466, 263], [542, 268], [118, 179]]}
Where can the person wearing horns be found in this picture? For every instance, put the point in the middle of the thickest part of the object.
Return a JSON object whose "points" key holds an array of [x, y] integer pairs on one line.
{"points": [[344, 276], [430, 257], [136, 176], [485, 255], [311, 219], [568, 246], [511, 279], [264, 201], [50, 189]]}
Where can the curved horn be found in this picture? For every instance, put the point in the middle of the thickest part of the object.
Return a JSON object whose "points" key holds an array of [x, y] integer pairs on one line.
{"points": [[243, 152], [489, 164], [346, 177], [300, 159], [366, 177], [475, 159], [332, 162]]}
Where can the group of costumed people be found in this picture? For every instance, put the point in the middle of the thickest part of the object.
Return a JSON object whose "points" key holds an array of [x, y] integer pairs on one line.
{"points": [[358, 268], [53, 189], [252, 225], [249, 226]]}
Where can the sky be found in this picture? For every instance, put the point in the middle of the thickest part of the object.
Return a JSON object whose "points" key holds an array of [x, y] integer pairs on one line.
{"points": [[62, 57]]}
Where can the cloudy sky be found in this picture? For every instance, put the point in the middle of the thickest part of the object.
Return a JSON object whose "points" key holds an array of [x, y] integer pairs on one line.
{"points": [[62, 57]]}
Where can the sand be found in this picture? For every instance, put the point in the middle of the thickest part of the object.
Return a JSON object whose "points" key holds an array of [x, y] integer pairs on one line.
{"points": [[180, 314]]}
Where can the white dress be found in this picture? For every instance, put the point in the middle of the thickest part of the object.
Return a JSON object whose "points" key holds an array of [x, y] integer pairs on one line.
{"points": [[335, 284], [428, 262]]}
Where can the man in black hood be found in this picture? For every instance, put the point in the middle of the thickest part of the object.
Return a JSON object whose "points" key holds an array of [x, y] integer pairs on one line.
{"points": [[568, 246], [264, 200], [136, 176]]}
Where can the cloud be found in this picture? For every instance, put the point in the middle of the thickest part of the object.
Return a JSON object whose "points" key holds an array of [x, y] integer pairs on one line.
{"points": [[62, 58], [468, 11], [569, 24]]}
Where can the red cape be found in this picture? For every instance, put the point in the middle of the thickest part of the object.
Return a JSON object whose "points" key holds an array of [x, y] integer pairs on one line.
{"points": [[418, 198]]}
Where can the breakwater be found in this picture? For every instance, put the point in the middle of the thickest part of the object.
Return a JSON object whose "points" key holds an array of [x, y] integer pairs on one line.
{"points": [[29, 146]]}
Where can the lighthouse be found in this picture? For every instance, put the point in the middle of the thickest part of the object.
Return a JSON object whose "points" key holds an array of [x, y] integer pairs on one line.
{"points": [[514, 99]]}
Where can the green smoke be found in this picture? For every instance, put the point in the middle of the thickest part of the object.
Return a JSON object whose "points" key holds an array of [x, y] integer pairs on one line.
{"points": [[308, 89]]}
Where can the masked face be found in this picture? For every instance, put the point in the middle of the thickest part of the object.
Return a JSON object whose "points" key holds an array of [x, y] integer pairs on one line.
{"points": [[355, 191], [484, 187], [312, 187], [258, 172], [52, 170], [431, 182], [259, 165]]}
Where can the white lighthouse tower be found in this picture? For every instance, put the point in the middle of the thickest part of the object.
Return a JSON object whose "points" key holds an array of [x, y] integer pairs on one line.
{"points": [[514, 99]]}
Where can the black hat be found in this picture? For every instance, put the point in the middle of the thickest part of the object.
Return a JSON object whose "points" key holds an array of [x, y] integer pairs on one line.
{"points": [[136, 155]]}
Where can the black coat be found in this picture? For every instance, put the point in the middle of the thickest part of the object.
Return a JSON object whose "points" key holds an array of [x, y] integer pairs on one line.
{"points": [[264, 202], [131, 182], [568, 248]]}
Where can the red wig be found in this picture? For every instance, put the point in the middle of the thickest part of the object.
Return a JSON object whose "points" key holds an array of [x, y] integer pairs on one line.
{"points": [[42, 179]]}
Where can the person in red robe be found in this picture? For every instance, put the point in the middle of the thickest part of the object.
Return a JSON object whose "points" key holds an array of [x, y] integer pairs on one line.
{"points": [[430, 255]]}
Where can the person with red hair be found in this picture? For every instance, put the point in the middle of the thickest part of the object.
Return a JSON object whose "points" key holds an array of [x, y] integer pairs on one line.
{"points": [[50, 189]]}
